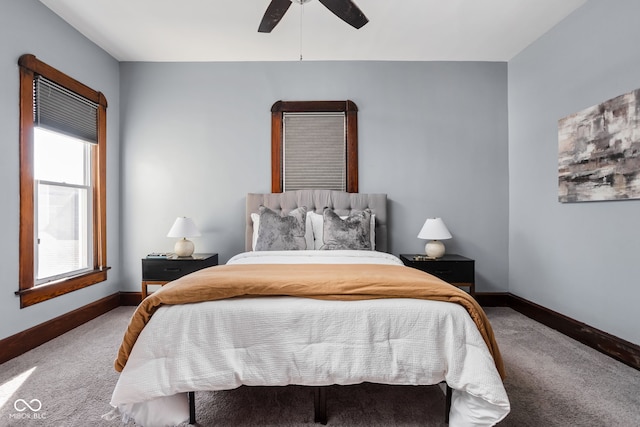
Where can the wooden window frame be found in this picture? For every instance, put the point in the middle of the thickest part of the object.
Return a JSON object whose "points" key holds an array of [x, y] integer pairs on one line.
{"points": [[29, 293], [351, 116]]}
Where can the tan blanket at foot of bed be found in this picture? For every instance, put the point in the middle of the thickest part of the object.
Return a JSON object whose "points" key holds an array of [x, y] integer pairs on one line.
{"points": [[319, 281]]}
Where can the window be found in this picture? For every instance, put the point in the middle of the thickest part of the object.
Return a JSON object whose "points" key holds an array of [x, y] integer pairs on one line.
{"points": [[314, 144], [62, 208], [62, 183]]}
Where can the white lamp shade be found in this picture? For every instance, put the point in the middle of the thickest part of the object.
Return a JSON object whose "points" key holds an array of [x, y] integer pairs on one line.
{"points": [[184, 227], [434, 229]]}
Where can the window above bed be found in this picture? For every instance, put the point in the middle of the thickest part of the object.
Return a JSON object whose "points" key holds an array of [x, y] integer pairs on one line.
{"points": [[314, 145]]}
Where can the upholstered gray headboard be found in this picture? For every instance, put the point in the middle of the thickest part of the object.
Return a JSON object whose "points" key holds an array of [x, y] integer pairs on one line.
{"points": [[316, 200]]}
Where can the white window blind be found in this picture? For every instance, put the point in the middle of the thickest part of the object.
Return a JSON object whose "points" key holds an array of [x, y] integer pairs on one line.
{"points": [[314, 151]]}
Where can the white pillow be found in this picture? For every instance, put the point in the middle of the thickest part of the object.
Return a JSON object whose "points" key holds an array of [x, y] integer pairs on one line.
{"points": [[317, 223], [308, 232]]}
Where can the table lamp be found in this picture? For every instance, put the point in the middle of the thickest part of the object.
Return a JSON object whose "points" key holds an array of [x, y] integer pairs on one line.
{"points": [[183, 227], [434, 230]]}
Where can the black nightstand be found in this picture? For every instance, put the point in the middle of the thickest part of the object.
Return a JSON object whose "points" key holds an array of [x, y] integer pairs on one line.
{"points": [[454, 269], [160, 271]]}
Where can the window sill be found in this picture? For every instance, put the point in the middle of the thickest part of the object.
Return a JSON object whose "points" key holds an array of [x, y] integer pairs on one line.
{"points": [[48, 291]]}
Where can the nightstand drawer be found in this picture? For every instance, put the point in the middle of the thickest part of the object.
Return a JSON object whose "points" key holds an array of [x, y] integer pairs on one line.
{"points": [[450, 271], [172, 269], [451, 268]]}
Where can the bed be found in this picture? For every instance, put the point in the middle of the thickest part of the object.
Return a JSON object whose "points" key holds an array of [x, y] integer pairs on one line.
{"points": [[372, 328]]}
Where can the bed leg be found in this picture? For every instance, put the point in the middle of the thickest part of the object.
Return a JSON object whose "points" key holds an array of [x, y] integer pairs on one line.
{"points": [[320, 405], [448, 404], [192, 407]]}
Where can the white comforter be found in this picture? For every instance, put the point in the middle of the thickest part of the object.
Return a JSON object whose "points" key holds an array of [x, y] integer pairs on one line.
{"points": [[276, 341]]}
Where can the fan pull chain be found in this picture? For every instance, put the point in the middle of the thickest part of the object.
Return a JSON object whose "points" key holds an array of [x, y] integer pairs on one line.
{"points": [[301, 15]]}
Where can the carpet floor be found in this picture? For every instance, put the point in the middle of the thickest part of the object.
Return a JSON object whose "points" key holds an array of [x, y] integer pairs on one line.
{"points": [[551, 380]]}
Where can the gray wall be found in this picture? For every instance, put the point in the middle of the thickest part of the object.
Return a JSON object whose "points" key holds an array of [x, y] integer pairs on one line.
{"points": [[433, 136], [579, 259], [26, 26]]}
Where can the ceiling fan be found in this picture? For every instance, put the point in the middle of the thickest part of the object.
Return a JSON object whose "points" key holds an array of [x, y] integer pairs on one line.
{"points": [[343, 9]]}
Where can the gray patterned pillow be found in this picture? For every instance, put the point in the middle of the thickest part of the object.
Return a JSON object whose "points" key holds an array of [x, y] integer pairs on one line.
{"points": [[353, 232], [281, 233]]}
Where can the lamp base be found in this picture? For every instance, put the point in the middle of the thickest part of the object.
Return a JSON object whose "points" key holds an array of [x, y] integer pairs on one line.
{"points": [[183, 248], [434, 249]]}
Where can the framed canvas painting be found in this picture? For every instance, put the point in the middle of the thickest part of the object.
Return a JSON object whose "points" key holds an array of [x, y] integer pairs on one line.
{"points": [[599, 151]]}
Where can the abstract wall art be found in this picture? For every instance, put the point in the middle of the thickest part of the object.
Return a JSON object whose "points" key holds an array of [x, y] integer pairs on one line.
{"points": [[599, 151]]}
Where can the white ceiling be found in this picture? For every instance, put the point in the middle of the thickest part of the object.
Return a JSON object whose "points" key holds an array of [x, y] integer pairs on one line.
{"points": [[226, 30]]}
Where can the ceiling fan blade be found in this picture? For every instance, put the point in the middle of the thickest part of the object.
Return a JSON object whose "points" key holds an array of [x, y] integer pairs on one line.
{"points": [[347, 11], [273, 15]]}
